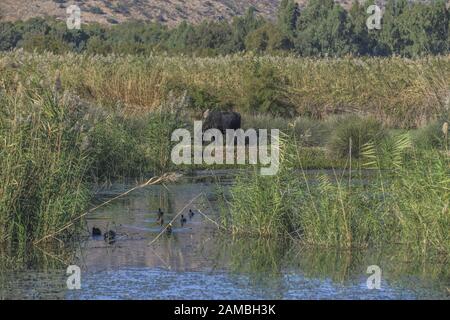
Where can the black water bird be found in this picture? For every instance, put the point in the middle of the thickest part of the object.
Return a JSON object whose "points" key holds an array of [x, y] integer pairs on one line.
{"points": [[169, 229], [160, 219], [160, 213], [110, 237], [191, 214], [96, 232], [183, 220]]}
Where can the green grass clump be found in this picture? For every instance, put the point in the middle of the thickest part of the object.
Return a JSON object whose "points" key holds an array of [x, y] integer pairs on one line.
{"points": [[309, 132], [317, 158], [352, 133], [432, 136]]}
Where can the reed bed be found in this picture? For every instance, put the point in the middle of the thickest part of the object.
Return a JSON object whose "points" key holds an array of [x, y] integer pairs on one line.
{"points": [[54, 144], [66, 120], [396, 194], [399, 92], [42, 166]]}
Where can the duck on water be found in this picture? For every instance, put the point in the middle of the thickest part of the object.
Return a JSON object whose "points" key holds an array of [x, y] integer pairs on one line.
{"points": [[183, 220], [110, 237]]}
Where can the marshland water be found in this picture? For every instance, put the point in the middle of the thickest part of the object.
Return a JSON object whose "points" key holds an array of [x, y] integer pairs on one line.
{"points": [[198, 261]]}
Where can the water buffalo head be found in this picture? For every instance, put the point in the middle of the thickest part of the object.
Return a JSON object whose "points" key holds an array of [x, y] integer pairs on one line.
{"points": [[206, 114]]}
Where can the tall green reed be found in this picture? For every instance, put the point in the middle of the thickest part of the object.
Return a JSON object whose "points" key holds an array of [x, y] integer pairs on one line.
{"points": [[42, 166], [394, 195]]}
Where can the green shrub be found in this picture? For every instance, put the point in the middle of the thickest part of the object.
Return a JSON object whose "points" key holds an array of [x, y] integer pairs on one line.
{"points": [[308, 132], [354, 132], [432, 136], [264, 121], [317, 158], [263, 91], [201, 100], [96, 10]]}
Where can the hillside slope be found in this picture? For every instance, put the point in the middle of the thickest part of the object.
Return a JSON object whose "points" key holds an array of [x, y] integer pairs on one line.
{"points": [[169, 12]]}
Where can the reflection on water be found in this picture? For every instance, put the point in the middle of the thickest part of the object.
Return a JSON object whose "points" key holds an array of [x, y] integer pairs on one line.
{"points": [[199, 262]]}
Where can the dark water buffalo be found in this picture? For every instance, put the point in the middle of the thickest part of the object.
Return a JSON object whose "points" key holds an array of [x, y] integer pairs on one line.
{"points": [[221, 120]]}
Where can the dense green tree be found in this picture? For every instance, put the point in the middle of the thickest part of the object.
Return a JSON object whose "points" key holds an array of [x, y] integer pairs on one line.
{"points": [[288, 15], [258, 40], [321, 28], [448, 32], [9, 36], [267, 38], [424, 29], [412, 29], [242, 26], [75, 39], [36, 25], [324, 29], [182, 37], [363, 38], [392, 39], [214, 36]]}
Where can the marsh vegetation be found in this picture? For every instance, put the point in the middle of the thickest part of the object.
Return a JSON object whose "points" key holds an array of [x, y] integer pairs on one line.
{"points": [[70, 120]]}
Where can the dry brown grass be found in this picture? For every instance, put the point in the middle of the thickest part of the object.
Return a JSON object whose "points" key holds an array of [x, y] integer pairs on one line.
{"points": [[400, 92]]}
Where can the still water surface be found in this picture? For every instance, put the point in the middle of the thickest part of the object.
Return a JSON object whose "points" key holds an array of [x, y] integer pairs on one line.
{"points": [[198, 262]]}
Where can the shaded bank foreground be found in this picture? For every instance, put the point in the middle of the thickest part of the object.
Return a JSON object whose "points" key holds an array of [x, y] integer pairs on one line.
{"points": [[199, 262]]}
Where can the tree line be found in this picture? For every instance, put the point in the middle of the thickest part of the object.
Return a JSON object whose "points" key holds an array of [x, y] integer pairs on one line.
{"points": [[322, 28]]}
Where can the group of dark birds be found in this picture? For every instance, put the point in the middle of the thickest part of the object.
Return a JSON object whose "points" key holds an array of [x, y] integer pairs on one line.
{"points": [[169, 227], [110, 236]]}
